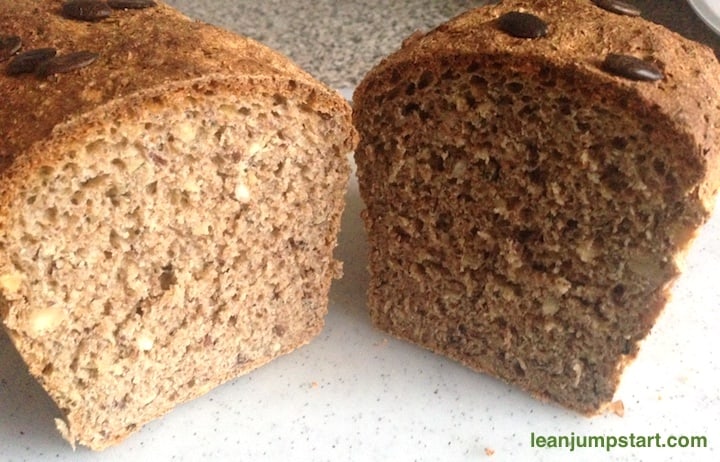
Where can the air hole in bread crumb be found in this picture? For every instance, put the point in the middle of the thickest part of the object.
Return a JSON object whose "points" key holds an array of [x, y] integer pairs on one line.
{"points": [[444, 222], [659, 167], [410, 108], [614, 179], [519, 368], [72, 167], [51, 213], [478, 82], [437, 163], [619, 143], [425, 80], [114, 239], [279, 330], [48, 369], [151, 188], [76, 198], [119, 163], [219, 133], [617, 293], [45, 170], [514, 87], [279, 100], [167, 277]]}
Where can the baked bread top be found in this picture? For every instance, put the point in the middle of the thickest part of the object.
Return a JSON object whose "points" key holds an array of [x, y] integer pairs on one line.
{"points": [[141, 52], [579, 36]]}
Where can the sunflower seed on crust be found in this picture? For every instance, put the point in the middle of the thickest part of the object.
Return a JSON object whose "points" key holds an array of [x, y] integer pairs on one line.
{"points": [[9, 45], [66, 63], [131, 4], [28, 61]]}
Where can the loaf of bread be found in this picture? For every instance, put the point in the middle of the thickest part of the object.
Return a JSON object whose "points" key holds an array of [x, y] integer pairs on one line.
{"points": [[170, 199], [533, 173]]}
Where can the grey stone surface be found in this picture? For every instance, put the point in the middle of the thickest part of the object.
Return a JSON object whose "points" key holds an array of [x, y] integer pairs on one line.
{"points": [[339, 41]]}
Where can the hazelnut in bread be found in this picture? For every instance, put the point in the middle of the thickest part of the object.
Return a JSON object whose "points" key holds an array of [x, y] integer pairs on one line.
{"points": [[170, 199], [533, 173]]}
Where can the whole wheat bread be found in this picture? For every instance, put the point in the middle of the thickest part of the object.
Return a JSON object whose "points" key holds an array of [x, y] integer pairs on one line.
{"points": [[528, 208], [168, 212]]}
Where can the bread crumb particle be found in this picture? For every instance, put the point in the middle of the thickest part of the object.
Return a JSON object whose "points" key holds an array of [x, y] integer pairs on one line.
{"points": [[489, 451], [242, 193], [11, 282], [44, 320], [618, 408], [145, 343]]}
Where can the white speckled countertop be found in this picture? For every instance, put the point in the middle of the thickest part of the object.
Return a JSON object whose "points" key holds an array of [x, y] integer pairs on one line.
{"points": [[355, 394]]}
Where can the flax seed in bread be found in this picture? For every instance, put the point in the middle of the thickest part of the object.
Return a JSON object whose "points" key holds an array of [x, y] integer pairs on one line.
{"points": [[533, 173], [168, 210]]}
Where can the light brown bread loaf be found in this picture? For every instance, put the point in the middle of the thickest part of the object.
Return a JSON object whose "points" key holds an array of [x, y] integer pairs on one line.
{"points": [[168, 212], [528, 199]]}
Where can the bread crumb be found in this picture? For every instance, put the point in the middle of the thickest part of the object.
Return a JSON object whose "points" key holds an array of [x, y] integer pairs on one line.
{"points": [[242, 193], [314, 385], [617, 407], [44, 320], [381, 343], [11, 282], [145, 342], [489, 451]]}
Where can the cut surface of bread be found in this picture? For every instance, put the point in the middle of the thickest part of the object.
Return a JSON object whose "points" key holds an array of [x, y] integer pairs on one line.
{"points": [[164, 227], [527, 211]]}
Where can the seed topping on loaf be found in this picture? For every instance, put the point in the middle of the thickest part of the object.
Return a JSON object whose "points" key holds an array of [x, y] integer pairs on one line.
{"points": [[9, 46], [631, 67], [617, 6], [529, 26], [66, 63], [522, 25], [28, 61], [130, 4], [43, 61], [86, 10], [98, 10]]}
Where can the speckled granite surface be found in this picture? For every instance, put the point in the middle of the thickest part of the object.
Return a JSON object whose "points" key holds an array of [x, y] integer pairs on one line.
{"points": [[339, 41]]}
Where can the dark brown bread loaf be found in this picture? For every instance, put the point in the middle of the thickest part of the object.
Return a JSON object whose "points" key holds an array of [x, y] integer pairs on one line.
{"points": [[168, 212], [527, 207]]}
